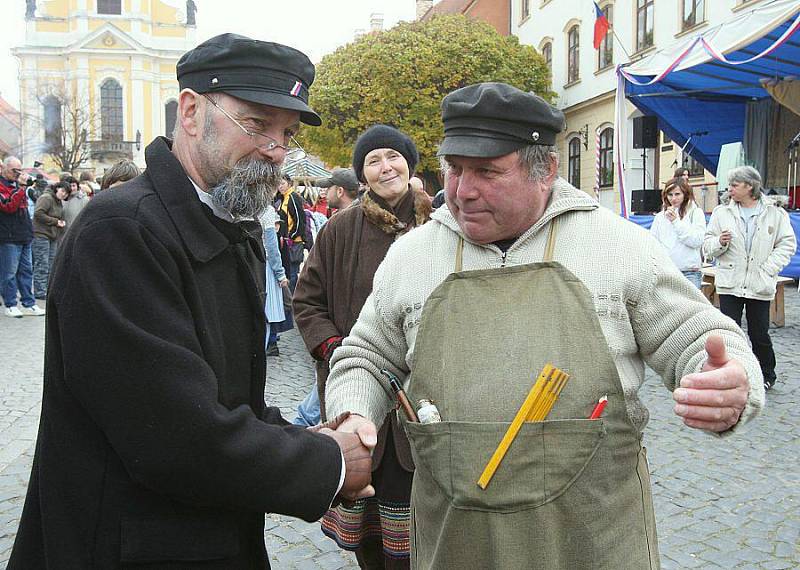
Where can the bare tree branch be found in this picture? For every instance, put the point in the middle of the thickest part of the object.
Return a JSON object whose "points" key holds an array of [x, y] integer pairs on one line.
{"points": [[67, 121]]}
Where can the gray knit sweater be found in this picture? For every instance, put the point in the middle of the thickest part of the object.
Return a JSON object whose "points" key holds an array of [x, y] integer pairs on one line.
{"points": [[648, 311]]}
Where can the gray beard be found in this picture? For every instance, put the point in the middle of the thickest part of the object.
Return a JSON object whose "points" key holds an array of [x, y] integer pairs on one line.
{"points": [[248, 189]]}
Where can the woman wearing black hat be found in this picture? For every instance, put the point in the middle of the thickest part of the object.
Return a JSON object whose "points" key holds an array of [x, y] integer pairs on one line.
{"points": [[335, 283]]}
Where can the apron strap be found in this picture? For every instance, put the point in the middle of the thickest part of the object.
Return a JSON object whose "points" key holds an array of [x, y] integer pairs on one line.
{"points": [[551, 240], [548, 249]]}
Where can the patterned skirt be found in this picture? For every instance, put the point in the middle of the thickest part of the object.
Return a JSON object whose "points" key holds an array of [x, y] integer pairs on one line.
{"points": [[384, 517]]}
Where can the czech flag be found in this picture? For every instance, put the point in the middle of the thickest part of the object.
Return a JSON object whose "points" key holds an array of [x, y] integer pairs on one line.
{"points": [[600, 26]]}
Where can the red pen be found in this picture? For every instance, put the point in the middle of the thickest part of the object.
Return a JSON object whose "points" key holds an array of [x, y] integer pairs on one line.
{"points": [[598, 409]]}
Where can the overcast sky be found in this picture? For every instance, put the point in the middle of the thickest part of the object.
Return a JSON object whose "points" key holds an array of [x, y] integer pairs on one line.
{"points": [[315, 27]]}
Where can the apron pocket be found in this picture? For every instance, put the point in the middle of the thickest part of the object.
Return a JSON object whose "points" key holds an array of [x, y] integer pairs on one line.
{"points": [[542, 462]]}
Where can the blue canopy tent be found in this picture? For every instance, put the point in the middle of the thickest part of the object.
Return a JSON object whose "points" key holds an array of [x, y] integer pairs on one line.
{"points": [[699, 87], [702, 84]]}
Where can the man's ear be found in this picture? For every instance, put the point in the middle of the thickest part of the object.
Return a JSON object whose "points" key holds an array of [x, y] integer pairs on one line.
{"points": [[190, 113], [553, 171]]}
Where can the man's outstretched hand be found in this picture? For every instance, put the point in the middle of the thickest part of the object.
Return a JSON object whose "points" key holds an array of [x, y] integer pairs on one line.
{"points": [[713, 399]]}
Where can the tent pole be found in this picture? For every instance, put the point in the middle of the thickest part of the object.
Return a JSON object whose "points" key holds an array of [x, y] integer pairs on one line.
{"points": [[644, 168]]}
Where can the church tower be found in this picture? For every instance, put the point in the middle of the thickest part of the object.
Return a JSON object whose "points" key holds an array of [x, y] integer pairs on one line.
{"points": [[102, 71]]}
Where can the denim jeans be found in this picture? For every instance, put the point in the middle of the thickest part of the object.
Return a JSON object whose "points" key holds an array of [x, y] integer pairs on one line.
{"points": [[308, 412], [695, 277], [44, 252], [757, 328], [16, 274]]}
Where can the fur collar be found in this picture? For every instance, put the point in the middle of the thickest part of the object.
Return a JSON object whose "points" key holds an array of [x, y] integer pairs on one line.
{"points": [[387, 221]]}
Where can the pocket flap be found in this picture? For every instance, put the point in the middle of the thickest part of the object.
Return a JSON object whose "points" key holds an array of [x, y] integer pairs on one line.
{"points": [[177, 538]]}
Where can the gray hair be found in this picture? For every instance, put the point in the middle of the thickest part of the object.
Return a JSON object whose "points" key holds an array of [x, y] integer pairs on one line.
{"points": [[9, 159], [747, 175], [534, 158], [537, 159]]}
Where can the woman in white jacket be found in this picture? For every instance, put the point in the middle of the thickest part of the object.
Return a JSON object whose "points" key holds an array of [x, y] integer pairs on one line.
{"points": [[680, 227], [752, 240]]}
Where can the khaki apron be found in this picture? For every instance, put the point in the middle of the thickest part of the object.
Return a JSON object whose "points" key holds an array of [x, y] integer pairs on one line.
{"points": [[571, 493]]}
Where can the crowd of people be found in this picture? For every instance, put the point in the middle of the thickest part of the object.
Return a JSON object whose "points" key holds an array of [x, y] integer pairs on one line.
{"points": [[35, 212], [749, 239], [158, 429]]}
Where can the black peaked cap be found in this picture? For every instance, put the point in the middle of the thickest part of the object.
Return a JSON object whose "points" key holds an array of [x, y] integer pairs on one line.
{"points": [[260, 72]]}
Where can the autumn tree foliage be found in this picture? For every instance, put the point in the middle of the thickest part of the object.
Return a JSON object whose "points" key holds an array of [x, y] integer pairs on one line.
{"points": [[400, 76]]}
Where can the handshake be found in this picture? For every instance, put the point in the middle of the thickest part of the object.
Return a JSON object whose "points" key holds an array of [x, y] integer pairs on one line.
{"points": [[356, 437]]}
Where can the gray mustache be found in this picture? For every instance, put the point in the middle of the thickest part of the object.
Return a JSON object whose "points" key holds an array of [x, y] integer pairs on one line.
{"points": [[248, 189]]}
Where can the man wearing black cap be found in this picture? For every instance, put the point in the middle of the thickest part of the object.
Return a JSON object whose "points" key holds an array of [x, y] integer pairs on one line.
{"points": [[342, 188], [520, 270], [155, 447]]}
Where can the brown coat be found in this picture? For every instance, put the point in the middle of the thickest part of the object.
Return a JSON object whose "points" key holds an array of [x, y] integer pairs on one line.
{"points": [[337, 279], [46, 215]]}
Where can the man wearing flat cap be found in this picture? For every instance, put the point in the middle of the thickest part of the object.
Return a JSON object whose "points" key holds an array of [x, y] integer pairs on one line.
{"points": [[517, 271], [341, 188], [155, 448]]}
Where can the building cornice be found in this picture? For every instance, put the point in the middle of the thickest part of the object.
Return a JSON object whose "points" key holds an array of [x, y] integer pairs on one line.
{"points": [[109, 53], [602, 98]]}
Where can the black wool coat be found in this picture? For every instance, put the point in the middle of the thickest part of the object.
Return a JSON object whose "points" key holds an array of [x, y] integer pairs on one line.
{"points": [[155, 446]]}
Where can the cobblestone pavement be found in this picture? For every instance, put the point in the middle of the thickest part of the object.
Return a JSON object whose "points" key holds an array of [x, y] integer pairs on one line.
{"points": [[720, 503]]}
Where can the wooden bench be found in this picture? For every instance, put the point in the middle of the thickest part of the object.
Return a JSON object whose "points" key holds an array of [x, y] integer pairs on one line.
{"points": [[777, 315]]}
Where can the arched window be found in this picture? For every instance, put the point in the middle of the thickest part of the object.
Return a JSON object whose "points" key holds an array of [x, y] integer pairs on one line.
{"points": [[111, 110], [573, 52], [574, 162], [607, 158], [109, 7], [170, 116], [547, 54], [52, 122]]}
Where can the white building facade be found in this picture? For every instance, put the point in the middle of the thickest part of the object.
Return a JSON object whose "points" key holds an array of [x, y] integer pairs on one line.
{"points": [[585, 80]]}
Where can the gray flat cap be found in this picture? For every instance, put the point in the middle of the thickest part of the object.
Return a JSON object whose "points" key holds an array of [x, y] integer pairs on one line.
{"points": [[494, 119]]}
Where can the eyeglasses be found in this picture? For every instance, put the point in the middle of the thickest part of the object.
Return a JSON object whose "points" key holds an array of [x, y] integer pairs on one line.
{"points": [[294, 151]]}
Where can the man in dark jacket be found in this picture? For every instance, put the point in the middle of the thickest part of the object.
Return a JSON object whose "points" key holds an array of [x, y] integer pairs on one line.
{"points": [[16, 235], [155, 446]]}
